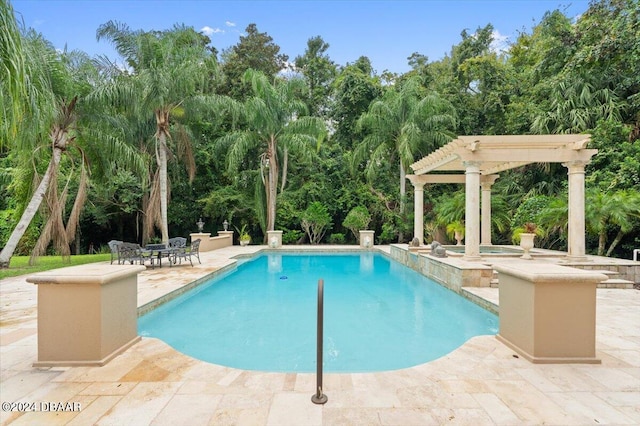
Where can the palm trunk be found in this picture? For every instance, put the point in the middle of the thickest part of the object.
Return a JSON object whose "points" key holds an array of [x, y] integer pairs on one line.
{"points": [[602, 238], [403, 187], [162, 120], [30, 211], [403, 191], [615, 242], [285, 162], [273, 185]]}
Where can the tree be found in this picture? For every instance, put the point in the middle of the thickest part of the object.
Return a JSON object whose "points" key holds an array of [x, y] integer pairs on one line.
{"points": [[611, 210], [256, 51], [576, 106], [401, 125], [357, 220], [58, 84], [168, 70], [274, 119], [355, 88], [319, 72], [315, 222], [43, 77]]}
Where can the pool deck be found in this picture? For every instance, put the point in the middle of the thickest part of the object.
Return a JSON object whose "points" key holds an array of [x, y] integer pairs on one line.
{"points": [[480, 383]]}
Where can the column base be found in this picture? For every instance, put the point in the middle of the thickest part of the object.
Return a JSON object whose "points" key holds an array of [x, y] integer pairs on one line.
{"points": [[575, 259], [472, 258]]}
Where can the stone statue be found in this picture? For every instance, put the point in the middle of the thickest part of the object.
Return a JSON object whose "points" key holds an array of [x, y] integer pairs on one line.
{"points": [[437, 250]]}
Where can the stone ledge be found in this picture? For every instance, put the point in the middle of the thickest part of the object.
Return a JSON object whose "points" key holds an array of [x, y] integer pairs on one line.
{"points": [[92, 274]]}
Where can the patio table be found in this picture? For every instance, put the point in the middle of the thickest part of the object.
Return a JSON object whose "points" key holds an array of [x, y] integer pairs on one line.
{"points": [[160, 250]]}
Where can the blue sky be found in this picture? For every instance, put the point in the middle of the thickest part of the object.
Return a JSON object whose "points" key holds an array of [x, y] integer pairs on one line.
{"points": [[385, 31]]}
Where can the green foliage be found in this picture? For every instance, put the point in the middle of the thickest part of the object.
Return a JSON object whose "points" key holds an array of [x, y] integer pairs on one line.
{"points": [[315, 221], [355, 89], [319, 72], [243, 233], [450, 208], [389, 233], [527, 228], [456, 227], [337, 238], [358, 219], [529, 211], [292, 236], [256, 51], [611, 139], [559, 76]]}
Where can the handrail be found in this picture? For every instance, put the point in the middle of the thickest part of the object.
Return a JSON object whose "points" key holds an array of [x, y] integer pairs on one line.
{"points": [[319, 397]]}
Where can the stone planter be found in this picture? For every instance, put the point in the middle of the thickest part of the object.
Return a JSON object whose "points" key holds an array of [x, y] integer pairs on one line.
{"points": [[459, 237], [526, 242]]}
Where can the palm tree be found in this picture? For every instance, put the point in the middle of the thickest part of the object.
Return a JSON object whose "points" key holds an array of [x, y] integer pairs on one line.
{"points": [[168, 71], [605, 211], [577, 103], [401, 125], [31, 68], [47, 131], [274, 120], [14, 82]]}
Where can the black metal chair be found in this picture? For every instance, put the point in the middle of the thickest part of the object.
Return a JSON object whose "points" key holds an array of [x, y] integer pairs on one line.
{"points": [[113, 246], [187, 252], [133, 254]]}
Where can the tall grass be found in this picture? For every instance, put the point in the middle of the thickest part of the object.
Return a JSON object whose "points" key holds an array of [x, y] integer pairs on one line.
{"points": [[20, 264]]}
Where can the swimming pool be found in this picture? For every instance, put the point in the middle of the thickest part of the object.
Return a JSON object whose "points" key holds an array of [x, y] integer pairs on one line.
{"points": [[379, 315]]}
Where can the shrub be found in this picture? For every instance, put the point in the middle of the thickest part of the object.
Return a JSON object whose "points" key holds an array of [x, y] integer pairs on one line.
{"points": [[315, 221], [357, 219], [291, 236], [337, 238]]}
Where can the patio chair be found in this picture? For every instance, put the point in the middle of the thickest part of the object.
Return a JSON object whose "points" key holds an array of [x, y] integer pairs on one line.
{"points": [[177, 242], [113, 246], [134, 254], [187, 252]]}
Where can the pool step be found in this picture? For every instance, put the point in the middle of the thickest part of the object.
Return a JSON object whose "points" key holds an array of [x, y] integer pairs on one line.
{"points": [[494, 279], [611, 282], [616, 283]]}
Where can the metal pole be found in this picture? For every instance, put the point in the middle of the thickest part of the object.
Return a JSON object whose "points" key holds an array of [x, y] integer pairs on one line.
{"points": [[319, 397]]}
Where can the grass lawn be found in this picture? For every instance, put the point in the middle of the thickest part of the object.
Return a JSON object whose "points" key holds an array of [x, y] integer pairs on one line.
{"points": [[19, 265]]}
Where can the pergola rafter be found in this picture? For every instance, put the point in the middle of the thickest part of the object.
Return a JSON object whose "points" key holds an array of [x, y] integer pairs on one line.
{"points": [[479, 158]]}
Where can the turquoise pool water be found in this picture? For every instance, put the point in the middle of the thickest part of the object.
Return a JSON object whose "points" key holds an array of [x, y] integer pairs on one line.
{"points": [[379, 315]]}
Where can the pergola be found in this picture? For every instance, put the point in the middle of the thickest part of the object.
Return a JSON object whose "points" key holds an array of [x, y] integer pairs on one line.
{"points": [[481, 158]]}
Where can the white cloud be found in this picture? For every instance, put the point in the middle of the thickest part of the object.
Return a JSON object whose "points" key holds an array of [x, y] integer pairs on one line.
{"points": [[500, 43], [208, 30], [230, 24]]}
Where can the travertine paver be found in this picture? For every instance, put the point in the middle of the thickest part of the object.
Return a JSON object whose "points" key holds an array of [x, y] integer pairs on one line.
{"points": [[482, 382]]}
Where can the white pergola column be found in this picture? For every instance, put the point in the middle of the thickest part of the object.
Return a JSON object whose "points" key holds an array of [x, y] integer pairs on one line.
{"points": [[486, 182], [472, 211], [576, 220], [418, 183]]}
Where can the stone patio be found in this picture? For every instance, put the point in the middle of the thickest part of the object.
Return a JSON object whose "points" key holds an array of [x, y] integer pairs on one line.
{"points": [[482, 382]]}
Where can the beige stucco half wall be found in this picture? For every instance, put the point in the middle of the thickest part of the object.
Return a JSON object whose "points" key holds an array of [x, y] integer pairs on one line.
{"points": [[87, 314], [548, 315]]}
